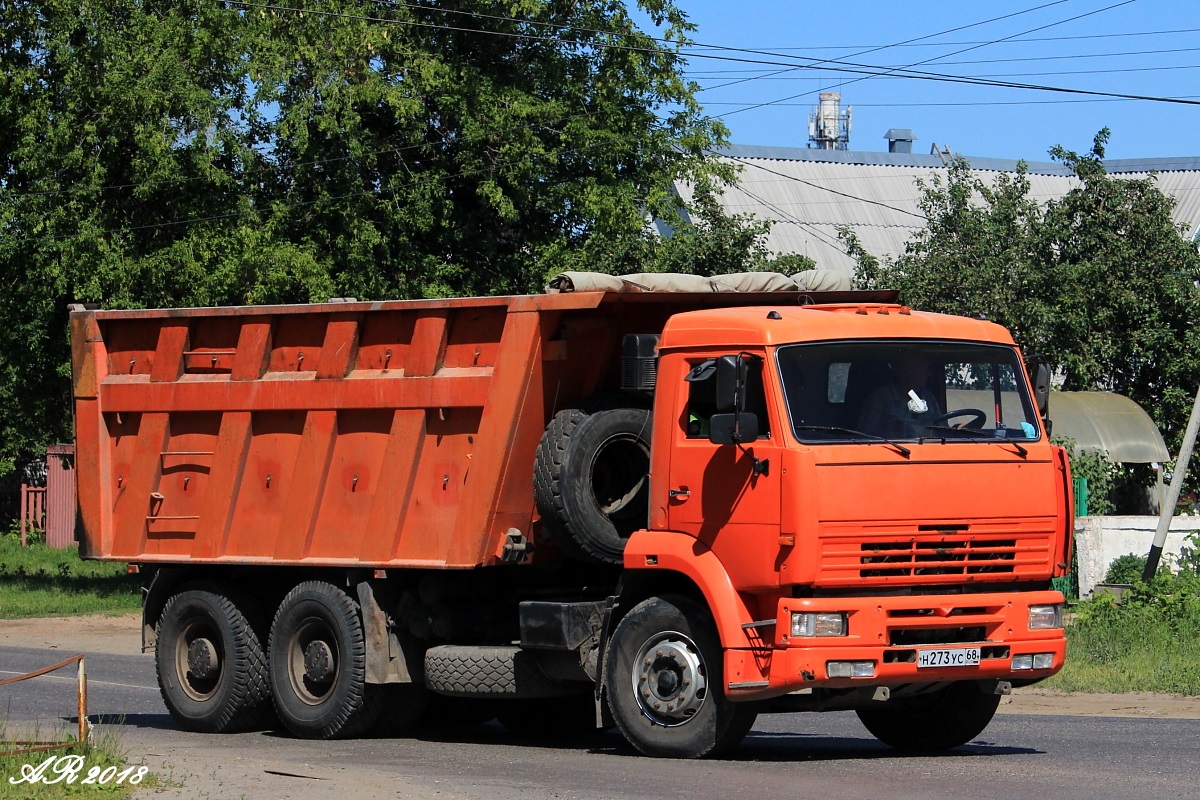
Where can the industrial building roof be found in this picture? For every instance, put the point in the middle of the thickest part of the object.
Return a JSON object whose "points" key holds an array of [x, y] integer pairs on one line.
{"points": [[809, 194]]}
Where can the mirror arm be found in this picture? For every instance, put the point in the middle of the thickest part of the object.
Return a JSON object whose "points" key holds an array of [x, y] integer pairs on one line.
{"points": [[762, 466]]}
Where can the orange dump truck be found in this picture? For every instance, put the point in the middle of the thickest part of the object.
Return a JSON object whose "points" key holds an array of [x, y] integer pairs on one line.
{"points": [[668, 511]]}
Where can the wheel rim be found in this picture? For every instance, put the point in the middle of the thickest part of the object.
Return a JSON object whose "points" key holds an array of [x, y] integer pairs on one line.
{"points": [[670, 679], [199, 658], [618, 479], [313, 661]]}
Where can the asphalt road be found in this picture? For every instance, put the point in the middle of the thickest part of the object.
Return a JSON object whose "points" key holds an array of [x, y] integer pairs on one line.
{"points": [[794, 756]]}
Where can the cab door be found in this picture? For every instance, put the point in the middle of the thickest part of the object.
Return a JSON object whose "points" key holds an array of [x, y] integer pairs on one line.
{"points": [[716, 493]]}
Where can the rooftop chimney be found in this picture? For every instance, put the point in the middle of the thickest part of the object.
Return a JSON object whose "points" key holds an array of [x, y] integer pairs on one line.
{"points": [[900, 140]]}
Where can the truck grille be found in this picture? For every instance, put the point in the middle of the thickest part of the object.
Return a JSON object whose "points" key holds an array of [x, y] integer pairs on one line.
{"points": [[914, 557], [849, 556]]}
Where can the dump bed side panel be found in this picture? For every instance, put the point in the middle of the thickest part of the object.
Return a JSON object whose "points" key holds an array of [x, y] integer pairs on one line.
{"points": [[344, 434]]}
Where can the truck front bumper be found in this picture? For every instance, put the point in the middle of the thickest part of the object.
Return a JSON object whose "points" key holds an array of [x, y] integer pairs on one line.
{"points": [[888, 641]]}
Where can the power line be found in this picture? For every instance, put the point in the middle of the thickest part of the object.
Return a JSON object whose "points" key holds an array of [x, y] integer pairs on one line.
{"points": [[947, 55], [789, 218], [907, 41], [994, 75], [1079, 37], [766, 74], [824, 188], [962, 104], [866, 70]]}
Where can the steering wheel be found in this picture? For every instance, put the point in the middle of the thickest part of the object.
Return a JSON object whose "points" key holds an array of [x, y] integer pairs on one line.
{"points": [[977, 418]]}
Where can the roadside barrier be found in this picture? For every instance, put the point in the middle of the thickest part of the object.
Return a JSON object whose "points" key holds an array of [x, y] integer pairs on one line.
{"points": [[38, 747]]}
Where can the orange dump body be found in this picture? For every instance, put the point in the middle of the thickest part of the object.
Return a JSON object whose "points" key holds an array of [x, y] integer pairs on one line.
{"points": [[379, 434]]}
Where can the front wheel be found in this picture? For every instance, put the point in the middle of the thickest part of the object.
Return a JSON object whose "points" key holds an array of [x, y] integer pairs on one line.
{"points": [[941, 720], [664, 678]]}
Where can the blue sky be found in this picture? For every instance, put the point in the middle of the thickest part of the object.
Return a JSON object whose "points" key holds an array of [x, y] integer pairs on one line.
{"points": [[1139, 47]]}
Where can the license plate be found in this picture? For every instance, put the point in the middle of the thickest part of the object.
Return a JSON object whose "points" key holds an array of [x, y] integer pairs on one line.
{"points": [[949, 657]]}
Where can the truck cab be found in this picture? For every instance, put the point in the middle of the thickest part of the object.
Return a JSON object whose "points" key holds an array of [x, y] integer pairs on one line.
{"points": [[869, 503]]}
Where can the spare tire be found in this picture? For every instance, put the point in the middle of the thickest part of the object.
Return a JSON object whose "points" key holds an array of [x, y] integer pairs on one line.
{"points": [[591, 480]]}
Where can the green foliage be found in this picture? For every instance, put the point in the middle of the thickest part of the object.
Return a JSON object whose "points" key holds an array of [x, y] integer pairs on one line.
{"points": [[707, 242], [1099, 472], [40, 581], [1099, 280], [1126, 569], [191, 152], [1149, 640]]}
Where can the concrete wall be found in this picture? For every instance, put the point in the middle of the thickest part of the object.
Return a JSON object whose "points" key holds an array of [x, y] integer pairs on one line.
{"points": [[1101, 540]]}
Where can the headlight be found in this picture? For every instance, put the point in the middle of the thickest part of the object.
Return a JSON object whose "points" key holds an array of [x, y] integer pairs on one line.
{"points": [[824, 624], [1044, 617]]}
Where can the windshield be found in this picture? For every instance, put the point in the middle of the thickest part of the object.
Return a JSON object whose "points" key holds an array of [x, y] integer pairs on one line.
{"points": [[906, 390]]}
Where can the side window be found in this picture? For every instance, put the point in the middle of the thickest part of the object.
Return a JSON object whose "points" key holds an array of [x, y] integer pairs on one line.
{"points": [[756, 398], [702, 398]]}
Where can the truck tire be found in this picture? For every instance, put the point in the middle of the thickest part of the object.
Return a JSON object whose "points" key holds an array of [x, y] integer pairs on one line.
{"points": [[663, 676], [212, 671], [591, 483], [501, 671], [318, 664], [944, 719]]}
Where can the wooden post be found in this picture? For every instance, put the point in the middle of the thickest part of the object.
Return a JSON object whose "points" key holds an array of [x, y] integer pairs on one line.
{"points": [[83, 723]]}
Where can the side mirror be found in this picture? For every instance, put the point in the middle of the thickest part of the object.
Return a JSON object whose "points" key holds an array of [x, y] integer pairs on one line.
{"points": [[1041, 387], [733, 428], [732, 372]]}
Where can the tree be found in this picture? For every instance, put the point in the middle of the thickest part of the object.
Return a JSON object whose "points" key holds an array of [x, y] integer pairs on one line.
{"points": [[438, 151], [1100, 280], [707, 242], [196, 152]]}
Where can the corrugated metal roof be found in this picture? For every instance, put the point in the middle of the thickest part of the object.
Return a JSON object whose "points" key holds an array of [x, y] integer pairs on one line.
{"points": [[809, 194]]}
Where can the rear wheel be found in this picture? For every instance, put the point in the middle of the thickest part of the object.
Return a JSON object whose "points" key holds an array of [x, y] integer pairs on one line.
{"points": [[663, 676], [212, 671], [941, 720], [318, 664]]}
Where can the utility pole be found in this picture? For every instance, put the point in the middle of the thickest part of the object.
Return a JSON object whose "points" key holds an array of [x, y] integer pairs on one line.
{"points": [[1168, 507]]}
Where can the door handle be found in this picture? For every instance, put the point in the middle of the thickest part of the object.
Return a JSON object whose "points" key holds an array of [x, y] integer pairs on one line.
{"points": [[684, 493]]}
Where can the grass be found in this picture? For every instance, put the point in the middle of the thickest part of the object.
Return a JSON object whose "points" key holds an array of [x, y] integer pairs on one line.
{"points": [[1149, 642], [38, 581], [102, 751]]}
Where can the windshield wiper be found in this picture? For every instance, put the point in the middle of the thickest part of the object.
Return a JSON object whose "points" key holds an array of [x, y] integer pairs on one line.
{"points": [[976, 435], [901, 449]]}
